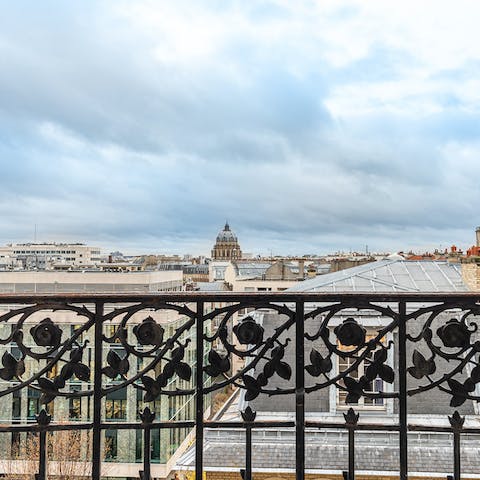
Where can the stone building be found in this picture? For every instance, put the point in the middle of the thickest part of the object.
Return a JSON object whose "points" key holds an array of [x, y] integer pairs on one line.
{"points": [[261, 276], [430, 454], [226, 246]]}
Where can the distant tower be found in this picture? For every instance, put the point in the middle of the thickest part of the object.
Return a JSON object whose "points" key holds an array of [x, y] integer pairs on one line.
{"points": [[477, 232], [226, 247]]}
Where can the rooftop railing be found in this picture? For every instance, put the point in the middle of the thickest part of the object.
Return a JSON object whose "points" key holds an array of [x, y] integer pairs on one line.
{"points": [[418, 344]]}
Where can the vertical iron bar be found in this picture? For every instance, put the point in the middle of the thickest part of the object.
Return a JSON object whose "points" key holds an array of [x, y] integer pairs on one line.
{"points": [[456, 454], [299, 391], [351, 420], [97, 393], [351, 453], [199, 394], [43, 419], [42, 459], [146, 453], [402, 372], [248, 453]]}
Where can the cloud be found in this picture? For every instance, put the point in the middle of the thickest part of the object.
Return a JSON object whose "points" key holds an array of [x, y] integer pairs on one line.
{"points": [[312, 126]]}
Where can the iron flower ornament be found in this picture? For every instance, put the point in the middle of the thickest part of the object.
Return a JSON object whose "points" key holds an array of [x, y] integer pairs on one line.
{"points": [[350, 333], [249, 332], [46, 334], [149, 332], [454, 334]]}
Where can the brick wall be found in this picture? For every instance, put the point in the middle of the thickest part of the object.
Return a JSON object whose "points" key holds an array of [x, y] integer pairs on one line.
{"points": [[471, 275], [291, 476]]}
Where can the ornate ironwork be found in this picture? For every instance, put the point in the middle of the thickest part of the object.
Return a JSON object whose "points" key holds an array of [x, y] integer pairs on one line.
{"points": [[421, 343]]}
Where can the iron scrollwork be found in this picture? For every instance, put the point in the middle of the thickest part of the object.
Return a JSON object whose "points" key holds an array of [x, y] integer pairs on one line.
{"points": [[436, 338], [449, 361]]}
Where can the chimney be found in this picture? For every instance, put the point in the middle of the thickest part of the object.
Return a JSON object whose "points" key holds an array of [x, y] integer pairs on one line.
{"points": [[477, 232], [301, 269]]}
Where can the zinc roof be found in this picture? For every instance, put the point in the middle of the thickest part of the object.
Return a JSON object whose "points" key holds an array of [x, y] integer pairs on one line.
{"points": [[390, 275], [251, 269]]}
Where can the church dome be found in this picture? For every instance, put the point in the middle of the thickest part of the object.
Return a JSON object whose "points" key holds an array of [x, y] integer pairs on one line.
{"points": [[226, 246], [226, 235]]}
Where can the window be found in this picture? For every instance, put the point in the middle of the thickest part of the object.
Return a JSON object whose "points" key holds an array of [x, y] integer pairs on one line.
{"points": [[33, 403], [138, 445], [110, 331], [75, 408], [374, 386], [154, 445], [116, 405], [17, 405], [116, 409], [111, 450], [15, 442], [155, 439]]}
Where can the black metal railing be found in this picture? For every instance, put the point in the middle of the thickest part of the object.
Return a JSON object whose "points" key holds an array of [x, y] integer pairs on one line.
{"points": [[418, 345]]}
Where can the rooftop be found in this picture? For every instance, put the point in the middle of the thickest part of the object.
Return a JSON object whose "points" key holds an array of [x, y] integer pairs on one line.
{"points": [[389, 275]]}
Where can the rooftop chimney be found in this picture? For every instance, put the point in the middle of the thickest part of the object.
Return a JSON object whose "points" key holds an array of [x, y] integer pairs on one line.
{"points": [[301, 269]]}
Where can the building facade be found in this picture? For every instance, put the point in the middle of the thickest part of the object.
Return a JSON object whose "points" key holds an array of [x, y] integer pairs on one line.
{"points": [[43, 255], [90, 282]]}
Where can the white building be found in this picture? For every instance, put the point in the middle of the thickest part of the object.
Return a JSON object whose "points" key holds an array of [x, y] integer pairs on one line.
{"points": [[40, 255], [90, 282]]}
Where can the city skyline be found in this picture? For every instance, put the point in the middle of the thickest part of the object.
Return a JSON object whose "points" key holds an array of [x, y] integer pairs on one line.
{"points": [[311, 126], [262, 251]]}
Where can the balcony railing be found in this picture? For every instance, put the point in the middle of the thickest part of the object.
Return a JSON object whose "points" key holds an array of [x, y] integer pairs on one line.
{"points": [[419, 344]]}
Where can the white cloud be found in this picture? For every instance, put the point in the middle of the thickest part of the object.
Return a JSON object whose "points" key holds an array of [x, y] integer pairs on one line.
{"points": [[328, 122]]}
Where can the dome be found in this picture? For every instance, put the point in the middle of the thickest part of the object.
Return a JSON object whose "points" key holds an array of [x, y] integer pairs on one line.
{"points": [[226, 235], [226, 247]]}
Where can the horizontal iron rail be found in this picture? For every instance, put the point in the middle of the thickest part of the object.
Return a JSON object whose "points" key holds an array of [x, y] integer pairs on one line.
{"points": [[240, 297], [267, 424], [371, 353]]}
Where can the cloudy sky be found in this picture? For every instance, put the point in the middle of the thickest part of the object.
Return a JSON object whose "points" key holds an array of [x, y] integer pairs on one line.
{"points": [[310, 126]]}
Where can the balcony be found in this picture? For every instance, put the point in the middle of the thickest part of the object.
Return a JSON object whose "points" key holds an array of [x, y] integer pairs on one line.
{"points": [[317, 374]]}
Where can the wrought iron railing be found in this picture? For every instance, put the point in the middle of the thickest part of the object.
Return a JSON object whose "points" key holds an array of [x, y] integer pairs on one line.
{"points": [[420, 343]]}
